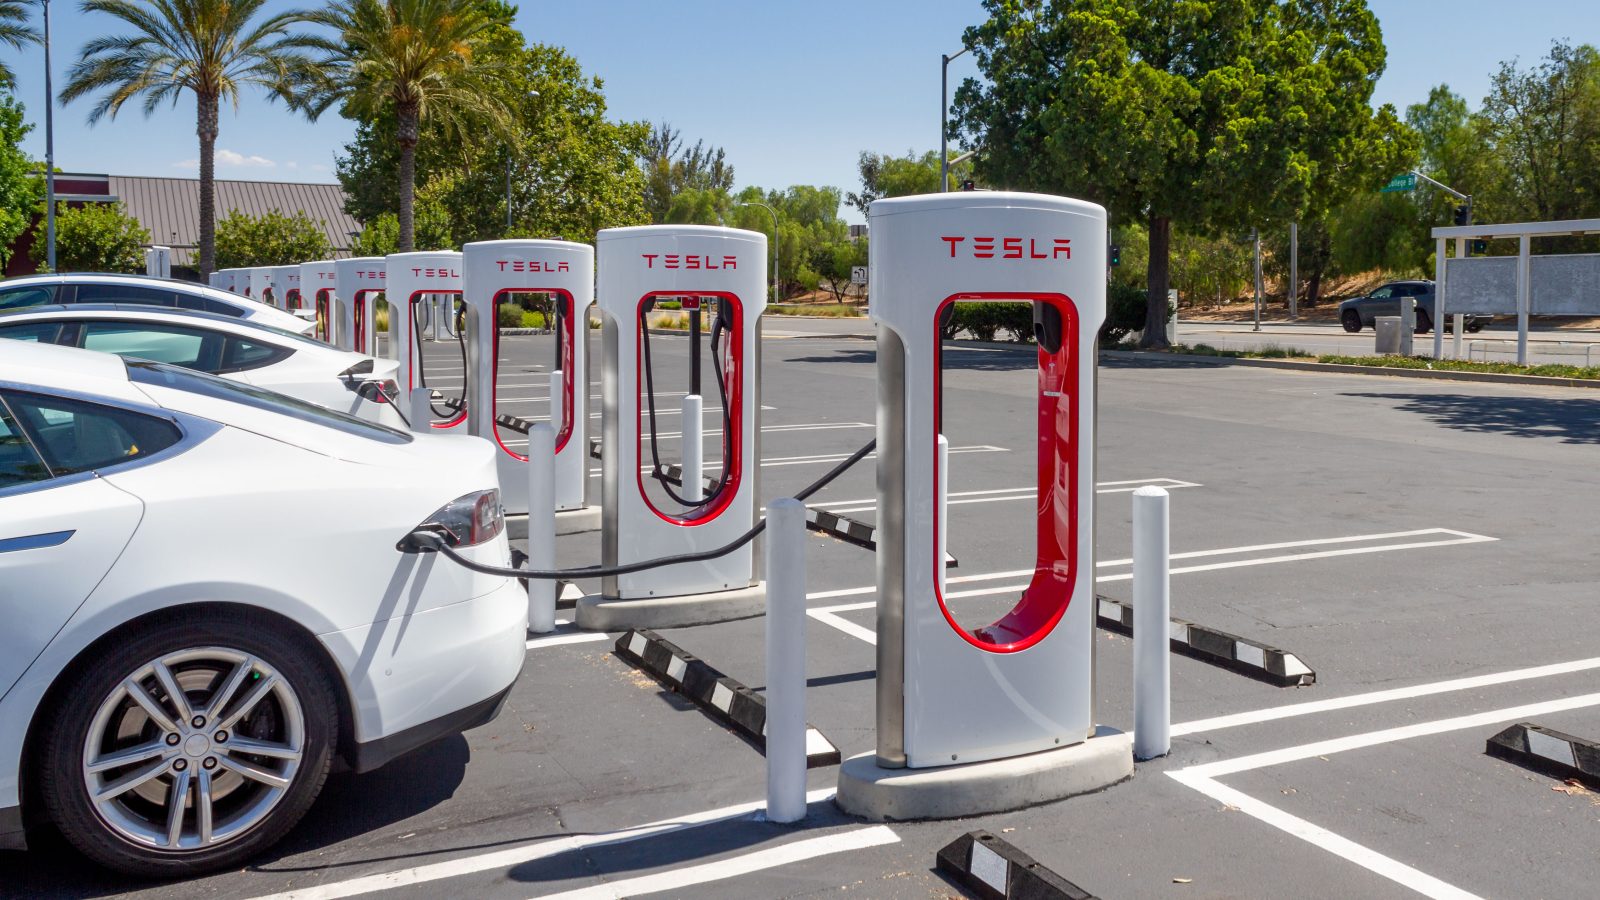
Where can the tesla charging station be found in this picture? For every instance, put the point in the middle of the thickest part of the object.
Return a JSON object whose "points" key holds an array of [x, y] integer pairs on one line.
{"points": [[416, 281], [286, 286], [1014, 697], [565, 271], [357, 283], [261, 288], [318, 281], [158, 262], [639, 267], [230, 280]]}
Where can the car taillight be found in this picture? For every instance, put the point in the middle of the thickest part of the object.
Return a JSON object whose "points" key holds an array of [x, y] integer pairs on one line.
{"points": [[467, 521]]}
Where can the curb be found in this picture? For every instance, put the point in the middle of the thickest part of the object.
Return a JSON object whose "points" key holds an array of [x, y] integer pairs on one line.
{"points": [[994, 869], [725, 699], [854, 532], [1344, 369], [1546, 750], [1247, 657]]}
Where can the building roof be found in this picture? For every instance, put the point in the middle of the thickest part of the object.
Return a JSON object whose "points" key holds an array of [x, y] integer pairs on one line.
{"points": [[170, 208]]}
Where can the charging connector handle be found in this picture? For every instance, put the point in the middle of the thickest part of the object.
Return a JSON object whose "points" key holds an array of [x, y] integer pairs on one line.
{"points": [[427, 541]]}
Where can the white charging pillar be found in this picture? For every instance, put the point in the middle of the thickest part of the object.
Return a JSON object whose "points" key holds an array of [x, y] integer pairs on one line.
{"points": [[318, 281], [158, 262], [259, 284], [565, 271], [988, 698], [414, 280], [286, 287], [357, 283], [636, 266]]}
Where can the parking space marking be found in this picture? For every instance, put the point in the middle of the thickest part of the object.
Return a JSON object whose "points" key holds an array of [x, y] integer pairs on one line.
{"points": [[1203, 778], [516, 856], [574, 637], [770, 461], [1021, 493], [732, 867]]}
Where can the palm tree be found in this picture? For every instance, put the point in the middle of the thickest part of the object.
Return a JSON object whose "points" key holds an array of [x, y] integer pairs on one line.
{"points": [[409, 58], [208, 47], [15, 32]]}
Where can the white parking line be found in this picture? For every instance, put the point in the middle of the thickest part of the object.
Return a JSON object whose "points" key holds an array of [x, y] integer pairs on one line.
{"points": [[769, 461], [1203, 779], [516, 856], [732, 867], [767, 429], [573, 637], [1004, 494]]}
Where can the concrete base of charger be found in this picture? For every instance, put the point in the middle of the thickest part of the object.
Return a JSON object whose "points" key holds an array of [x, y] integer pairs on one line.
{"points": [[571, 521], [599, 613], [954, 792]]}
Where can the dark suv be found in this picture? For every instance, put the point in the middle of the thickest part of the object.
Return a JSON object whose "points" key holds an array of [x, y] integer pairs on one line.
{"points": [[1385, 301]]}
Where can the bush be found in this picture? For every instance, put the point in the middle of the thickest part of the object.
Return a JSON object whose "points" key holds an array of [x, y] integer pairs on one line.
{"points": [[96, 237], [1125, 310], [986, 320], [532, 319], [510, 315], [271, 239]]}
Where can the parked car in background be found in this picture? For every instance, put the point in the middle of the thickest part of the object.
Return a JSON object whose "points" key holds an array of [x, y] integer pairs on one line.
{"points": [[208, 596], [140, 290], [240, 349], [1358, 312]]}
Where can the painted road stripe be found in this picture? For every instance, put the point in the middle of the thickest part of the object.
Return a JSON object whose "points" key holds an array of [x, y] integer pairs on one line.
{"points": [[770, 461], [1203, 779], [735, 866], [1001, 495], [516, 856]]}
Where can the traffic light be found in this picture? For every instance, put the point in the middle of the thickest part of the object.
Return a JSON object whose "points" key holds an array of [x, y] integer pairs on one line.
{"points": [[969, 185], [1480, 246], [1116, 255], [1463, 215]]}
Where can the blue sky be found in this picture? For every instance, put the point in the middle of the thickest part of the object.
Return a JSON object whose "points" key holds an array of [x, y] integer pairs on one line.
{"points": [[794, 91]]}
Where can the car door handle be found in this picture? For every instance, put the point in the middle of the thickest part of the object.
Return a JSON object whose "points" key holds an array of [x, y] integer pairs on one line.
{"points": [[35, 541]]}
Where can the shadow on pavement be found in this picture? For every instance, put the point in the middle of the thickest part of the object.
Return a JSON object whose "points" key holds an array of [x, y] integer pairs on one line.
{"points": [[1571, 421]]}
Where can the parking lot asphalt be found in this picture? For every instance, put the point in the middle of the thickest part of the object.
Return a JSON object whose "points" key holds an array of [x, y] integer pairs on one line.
{"points": [[1426, 547]]}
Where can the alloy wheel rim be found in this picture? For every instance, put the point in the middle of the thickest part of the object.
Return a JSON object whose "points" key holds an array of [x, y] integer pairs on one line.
{"points": [[193, 749]]}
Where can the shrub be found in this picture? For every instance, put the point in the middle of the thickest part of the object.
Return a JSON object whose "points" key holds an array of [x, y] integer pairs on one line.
{"points": [[510, 315], [532, 319], [1125, 310], [96, 237]]}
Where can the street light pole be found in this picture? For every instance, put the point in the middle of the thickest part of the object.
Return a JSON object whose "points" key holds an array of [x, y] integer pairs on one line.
{"points": [[510, 152], [774, 216], [49, 151], [944, 115]]}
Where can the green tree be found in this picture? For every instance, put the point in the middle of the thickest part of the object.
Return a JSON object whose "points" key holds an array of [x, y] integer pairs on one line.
{"points": [[380, 236], [808, 227], [210, 48], [1544, 124], [899, 176], [270, 239], [1217, 114], [414, 60], [575, 171], [15, 32], [21, 190], [95, 237], [670, 170]]}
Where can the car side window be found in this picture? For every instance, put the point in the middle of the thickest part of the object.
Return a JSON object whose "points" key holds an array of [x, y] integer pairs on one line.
{"points": [[192, 348], [19, 461], [75, 436], [34, 332], [25, 297], [125, 293], [1382, 293], [241, 354]]}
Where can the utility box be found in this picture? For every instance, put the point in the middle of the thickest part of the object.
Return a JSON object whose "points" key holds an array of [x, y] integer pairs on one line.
{"points": [[1389, 330]]}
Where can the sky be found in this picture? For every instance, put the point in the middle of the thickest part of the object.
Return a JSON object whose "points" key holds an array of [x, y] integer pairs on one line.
{"points": [[793, 90]]}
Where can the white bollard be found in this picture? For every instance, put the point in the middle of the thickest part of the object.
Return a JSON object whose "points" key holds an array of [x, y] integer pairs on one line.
{"points": [[1152, 612], [943, 509], [541, 526], [558, 413], [693, 450], [786, 660], [1458, 324], [419, 409]]}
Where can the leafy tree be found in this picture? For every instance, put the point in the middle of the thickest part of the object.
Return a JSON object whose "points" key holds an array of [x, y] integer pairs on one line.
{"points": [[575, 171], [900, 176], [16, 33], [271, 239], [21, 190], [414, 60], [1213, 113], [210, 48], [670, 170], [1544, 123], [95, 237], [380, 236], [808, 227], [834, 261]]}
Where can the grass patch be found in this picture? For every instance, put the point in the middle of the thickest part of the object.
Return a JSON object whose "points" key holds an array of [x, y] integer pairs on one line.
{"points": [[1550, 370], [818, 310], [1269, 351]]}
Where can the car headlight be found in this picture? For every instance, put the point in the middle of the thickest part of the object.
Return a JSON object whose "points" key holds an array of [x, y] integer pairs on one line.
{"points": [[466, 521]]}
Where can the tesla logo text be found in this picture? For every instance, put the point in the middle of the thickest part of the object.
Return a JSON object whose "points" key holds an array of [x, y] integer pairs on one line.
{"points": [[689, 261], [1010, 247], [421, 272], [325, 276], [370, 273], [531, 265]]}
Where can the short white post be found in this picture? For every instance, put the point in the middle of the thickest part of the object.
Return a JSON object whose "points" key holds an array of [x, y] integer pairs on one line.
{"points": [[558, 412], [943, 509], [541, 526], [1458, 324], [693, 450], [438, 313], [419, 409], [786, 660], [1524, 294], [1408, 324], [1152, 611]]}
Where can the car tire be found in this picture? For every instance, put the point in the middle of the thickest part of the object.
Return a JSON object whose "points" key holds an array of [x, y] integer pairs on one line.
{"points": [[1473, 327], [1351, 320], [274, 699], [1424, 322]]}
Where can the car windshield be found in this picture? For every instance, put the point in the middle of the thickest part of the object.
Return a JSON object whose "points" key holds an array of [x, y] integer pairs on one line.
{"points": [[284, 333], [143, 371]]}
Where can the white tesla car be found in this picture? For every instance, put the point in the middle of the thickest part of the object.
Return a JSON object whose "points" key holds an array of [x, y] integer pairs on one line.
{"points": [[242, 350], [172, 694], [142, 290]]}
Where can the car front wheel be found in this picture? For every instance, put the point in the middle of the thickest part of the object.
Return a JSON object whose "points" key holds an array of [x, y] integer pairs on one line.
{"points": [[1351, 320], [1424, 322], [189, 747]]}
